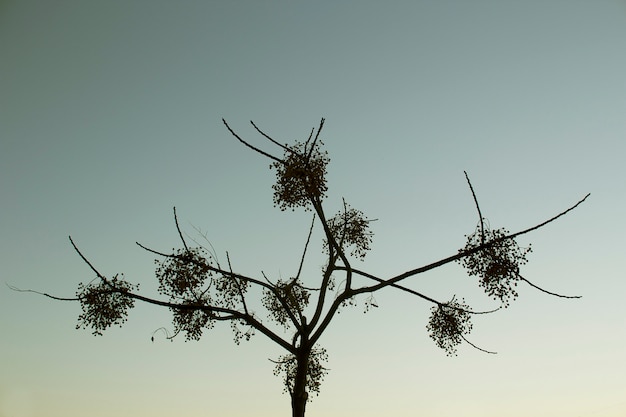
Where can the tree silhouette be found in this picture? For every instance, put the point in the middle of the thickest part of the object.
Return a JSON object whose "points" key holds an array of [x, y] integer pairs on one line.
{"points": [[199, 291]]}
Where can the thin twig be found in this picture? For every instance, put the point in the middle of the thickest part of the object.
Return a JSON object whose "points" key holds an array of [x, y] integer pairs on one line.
{"points": [[211, 251], [546, 291], [43, 293], [476, 347], [310, 136], [286, 148], [319, 129], [480, 216], [547, 221], [179, 232], [250, 146], [306, 245], [102, 277], [243, 299]]}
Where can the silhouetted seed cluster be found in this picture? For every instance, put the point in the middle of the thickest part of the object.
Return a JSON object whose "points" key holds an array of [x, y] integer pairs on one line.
{"points": [[292, 293], [498, 265], [192, 321], [300, 176], [288, 366], [370, 302], [239, 334], [182, 275], [104, 304], [229, 290], [186, 277], [448, 324], [350, 228], [348, 302]]}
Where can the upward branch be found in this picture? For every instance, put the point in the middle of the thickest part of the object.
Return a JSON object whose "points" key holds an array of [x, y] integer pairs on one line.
{"points": [[463, 253]]}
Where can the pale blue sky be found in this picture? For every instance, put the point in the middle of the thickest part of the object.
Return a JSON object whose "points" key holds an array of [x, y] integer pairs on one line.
{"points": [[110, 115]]}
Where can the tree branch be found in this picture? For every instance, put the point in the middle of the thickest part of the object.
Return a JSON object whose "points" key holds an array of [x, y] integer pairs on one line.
{"points": [[13, 288], [250, 146], [476, 347], [286, 148], [413, 292], [547, 292], [243, 299], [319, 130], [179, 232], [268, 285], [480, 216], [306, 245], [462, 254]]}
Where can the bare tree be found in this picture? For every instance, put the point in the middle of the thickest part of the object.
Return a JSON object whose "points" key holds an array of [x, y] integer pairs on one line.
{"points": [[199, 291]]}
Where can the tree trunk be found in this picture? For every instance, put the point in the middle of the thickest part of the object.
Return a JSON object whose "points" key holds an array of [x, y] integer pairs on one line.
{"points": [[299, 395]]}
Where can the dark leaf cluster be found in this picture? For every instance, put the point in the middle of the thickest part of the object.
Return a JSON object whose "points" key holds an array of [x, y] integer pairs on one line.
{"points": [[498, 265], [192, 319], [188, 278], [287, 365], [240, 334], [350, 228], [301, 175], [104, 304], [292, 294], [182, 275], [448, 324]]}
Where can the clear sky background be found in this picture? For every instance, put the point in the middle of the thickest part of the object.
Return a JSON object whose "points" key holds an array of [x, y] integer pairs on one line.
{"points": [[110, 116]]}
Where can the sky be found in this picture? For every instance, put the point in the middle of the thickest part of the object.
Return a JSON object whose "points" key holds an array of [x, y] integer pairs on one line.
{"points": [[110, 115]]}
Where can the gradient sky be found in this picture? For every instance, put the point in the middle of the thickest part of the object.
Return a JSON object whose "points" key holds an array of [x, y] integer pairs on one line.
{"points": [[110, 116]]}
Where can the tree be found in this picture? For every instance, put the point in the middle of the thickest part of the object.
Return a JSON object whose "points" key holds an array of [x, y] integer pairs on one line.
{"points": [[200, 291]]}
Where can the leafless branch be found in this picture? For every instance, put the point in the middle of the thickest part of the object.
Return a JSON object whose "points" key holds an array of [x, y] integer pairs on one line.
{"points": [[476, 347], [319, 129], [480, 216], [250, 146], [306, 245], [211, 250], [14, 288], [546, 291], [547, 221], [413, 292], [286, 148], [179, 232], [462, 254], [310, 136], [102, 277], [243, 299]]}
